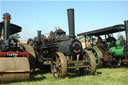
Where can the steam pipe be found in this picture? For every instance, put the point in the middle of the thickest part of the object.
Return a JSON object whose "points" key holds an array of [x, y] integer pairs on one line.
{"points": [[7, 18], [126, 31], [71, 23]]}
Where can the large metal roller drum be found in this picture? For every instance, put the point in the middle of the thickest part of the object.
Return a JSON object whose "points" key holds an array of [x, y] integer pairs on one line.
{"points": [[14, 69]]}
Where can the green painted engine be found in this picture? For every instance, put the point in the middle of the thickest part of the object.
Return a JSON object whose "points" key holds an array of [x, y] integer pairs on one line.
{"points": [[118, 49]]}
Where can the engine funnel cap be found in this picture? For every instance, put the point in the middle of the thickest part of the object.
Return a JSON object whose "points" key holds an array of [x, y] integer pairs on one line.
{"points": [[6, 16]]}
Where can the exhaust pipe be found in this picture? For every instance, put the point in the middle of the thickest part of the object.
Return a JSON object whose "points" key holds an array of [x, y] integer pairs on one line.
{"points": [[126, 31], [39, 35], [7, 18], [71, 23]]}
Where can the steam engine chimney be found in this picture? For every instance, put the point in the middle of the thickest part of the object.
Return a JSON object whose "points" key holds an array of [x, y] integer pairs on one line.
{"points": [[7, 18], [71, 23], [39, 33], [126, 31]]}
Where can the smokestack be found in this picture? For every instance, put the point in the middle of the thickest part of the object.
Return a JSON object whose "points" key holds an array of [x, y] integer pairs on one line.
{"points": [[39, 34], [71, 23], [7, 18], [126, 31]]}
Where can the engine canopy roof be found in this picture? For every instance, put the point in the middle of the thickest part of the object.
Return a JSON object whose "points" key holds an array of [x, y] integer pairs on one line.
{"points": [[103, 31], [13, 28]]}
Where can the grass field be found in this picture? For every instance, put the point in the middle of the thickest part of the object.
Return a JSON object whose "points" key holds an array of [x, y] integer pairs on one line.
{"points": [[106, 76]]}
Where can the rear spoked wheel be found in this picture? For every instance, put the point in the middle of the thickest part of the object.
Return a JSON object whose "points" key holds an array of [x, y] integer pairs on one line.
{"points": [[98, 55], [59, 65], [92, 63]]}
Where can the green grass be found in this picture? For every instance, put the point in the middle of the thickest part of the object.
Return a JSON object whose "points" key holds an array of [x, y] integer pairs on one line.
{"points": [[106, 76]]}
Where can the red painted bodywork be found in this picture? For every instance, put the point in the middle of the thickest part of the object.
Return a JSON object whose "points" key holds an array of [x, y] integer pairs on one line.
{"points": [[4, 54], [76, 51], [125, 60]]}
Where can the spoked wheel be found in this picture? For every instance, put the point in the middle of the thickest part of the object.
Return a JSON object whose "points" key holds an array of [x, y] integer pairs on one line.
{"points": [[92, 62], [59, 65], [98, 54]]}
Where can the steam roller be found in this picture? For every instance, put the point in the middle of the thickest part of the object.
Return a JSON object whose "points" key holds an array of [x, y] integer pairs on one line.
{"points": [[14, 60]]}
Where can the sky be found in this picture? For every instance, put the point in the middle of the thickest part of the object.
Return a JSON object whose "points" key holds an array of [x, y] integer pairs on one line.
{"points": [[33, 15]]}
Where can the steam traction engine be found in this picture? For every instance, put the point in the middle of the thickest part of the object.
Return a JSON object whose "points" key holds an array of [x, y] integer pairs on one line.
{"points": [[14, 65], [110, 51], [62, 53]]}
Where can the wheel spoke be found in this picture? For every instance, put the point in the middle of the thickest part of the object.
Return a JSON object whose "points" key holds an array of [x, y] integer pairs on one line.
{"points": [[59, 73], [55, 70], [57, 59], [60, 68], [54, 62]]}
